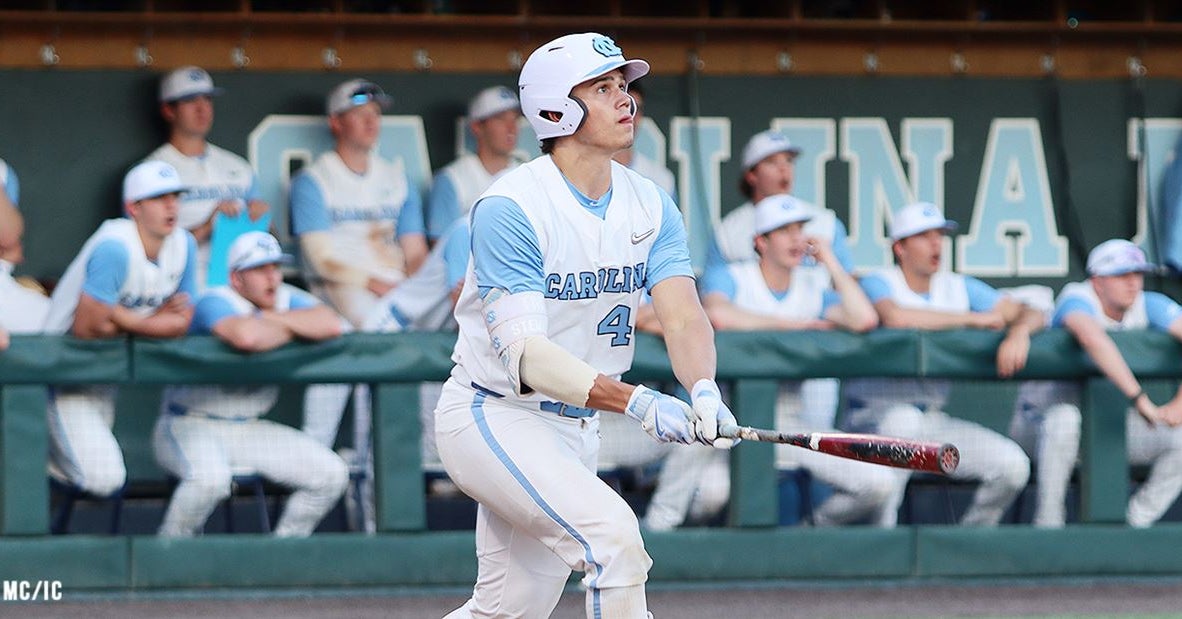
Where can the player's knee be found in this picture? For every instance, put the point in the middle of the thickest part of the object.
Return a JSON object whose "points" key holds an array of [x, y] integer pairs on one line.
{"points": [[105, 481], [875, 488], [1014, 469], [332, 477], [1062, 423], [902, 420]]}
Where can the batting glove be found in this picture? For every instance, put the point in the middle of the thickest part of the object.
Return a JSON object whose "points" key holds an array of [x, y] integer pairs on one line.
{"points": [[712, 414], [665, 418]]}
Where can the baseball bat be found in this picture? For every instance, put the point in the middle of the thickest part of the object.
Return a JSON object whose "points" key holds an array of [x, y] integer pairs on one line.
{"points": [[900, 453]]}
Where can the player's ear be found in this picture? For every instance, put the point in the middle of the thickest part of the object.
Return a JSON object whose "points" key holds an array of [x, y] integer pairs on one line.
{"points": [[168, 112]]}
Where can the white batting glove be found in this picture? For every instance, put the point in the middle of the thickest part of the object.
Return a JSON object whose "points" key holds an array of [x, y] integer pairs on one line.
{"points": [[712, 414], [664, 417]]}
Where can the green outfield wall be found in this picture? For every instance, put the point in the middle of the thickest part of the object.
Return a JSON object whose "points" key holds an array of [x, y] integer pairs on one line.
{"points": [[751, 546]]}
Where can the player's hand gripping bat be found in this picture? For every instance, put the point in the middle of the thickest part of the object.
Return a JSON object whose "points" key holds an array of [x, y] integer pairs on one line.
{"points": [[896, 452]]}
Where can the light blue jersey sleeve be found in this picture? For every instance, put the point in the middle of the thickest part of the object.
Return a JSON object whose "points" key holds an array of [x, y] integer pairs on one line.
{"points": [[714, 254], [456, 250], [410, 218], [443, 206], [253, 192], [669, 256], [841, 246], [188, 283], [1068, 305], [982, 296], [505, 250], [875, 287], [1161, 310], [829, 299], [12, 186], [301, 299], [718, 280], [210, 310], [106, 271], [309, 212]]}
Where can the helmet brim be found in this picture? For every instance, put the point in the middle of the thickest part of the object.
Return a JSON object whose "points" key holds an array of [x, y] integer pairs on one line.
{"points": [[633, 70]]}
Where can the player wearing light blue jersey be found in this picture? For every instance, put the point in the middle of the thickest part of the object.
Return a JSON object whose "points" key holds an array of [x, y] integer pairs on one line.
{"points": [[206, 434], [562, 249], [917, 294], [358, 216], [22, 310], [778, 293], [1047, 415], [492, 117], [133, 276], [218, 181]]}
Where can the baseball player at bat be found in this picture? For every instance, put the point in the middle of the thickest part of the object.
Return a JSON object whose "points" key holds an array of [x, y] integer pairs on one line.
{"points": [[917, 294], [206, 434], [562, 249], [136, 276], [777, 292], [1047, 418]]}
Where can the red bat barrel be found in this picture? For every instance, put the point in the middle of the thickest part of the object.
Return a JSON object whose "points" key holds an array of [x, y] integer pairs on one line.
{"points": [[900, 453]]}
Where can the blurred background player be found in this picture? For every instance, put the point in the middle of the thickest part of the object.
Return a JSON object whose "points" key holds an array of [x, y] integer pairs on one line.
{"points": [[543, 340], [635, 160], [359, 220], [218, 181], [358, 217], [133, 276], [1047, 415], [207, 434], [492, 117], [917, 294], [23, 304], [778, 294]]}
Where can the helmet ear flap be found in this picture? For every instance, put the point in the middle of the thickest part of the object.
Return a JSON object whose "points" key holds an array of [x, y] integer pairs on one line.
{"points": [[632, 104]]}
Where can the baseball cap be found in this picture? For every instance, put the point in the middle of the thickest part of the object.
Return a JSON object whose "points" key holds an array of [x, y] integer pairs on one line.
{"points": [[492, 101], [255, 249], [186, 82], [353, 93], [779, 210], [765, 144], [1117, 257], [150, 179], [919, 217]]}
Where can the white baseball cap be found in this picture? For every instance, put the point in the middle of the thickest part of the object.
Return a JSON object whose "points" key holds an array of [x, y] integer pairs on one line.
{"points": [[255, 249], [919, 217], [186, 82], [492, 101], [150, 179], [1117, 257], [765, 144], [353, 93], [779, 210], [555, 68]]}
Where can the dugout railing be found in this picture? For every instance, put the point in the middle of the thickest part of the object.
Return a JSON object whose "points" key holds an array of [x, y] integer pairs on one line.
{"points": [[404, 552]]}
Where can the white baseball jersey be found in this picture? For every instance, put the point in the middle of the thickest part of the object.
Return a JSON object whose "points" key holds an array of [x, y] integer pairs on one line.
{"points": [[733, 240], [225, 401], [423, 301], [21, 310], [593, 271], [455, 189], [215, 176], [142, 285], [364, 213], [950, 293]]}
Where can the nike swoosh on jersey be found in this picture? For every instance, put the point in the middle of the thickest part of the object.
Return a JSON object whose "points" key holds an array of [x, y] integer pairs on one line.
{"points": [[637, 238]]}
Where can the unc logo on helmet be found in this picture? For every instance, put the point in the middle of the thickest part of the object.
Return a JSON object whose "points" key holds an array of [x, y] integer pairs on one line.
{"points": [[606, 46]]}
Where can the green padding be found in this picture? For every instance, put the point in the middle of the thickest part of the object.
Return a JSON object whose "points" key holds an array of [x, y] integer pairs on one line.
{"points": [[78, 561], [1075, 550], [798, 354], [357, 357], [1149, 353], [973, 354], [64, 360], [24, 492], [720, 554], [323, 559]]}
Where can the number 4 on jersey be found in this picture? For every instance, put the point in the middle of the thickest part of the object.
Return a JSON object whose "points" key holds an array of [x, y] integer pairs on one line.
{"points": [[618, 324]]}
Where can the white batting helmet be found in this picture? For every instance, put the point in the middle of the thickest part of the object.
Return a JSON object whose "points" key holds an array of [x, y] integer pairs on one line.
{"points": [[558, 66]]}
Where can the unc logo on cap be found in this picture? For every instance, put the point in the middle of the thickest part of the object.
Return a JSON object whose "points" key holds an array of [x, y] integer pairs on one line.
{"points": [[606, 46], [196, 75]]}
